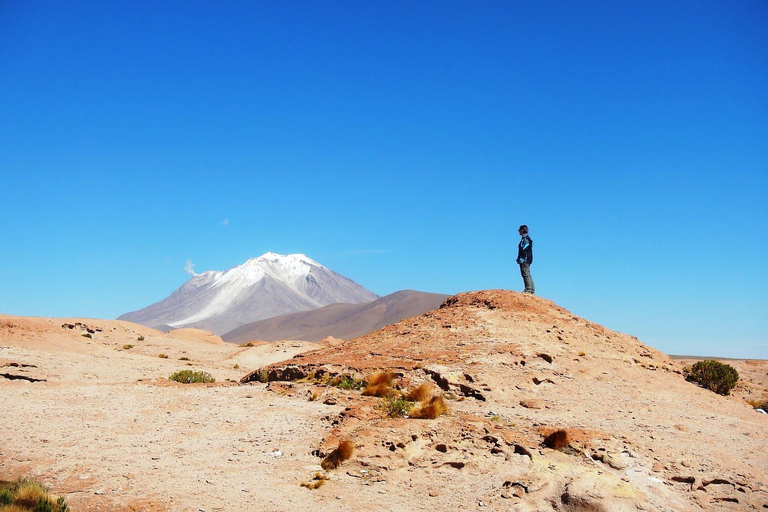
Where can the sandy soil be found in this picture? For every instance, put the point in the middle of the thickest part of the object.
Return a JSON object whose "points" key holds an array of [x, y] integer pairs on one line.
{"points": [[102, 425]]}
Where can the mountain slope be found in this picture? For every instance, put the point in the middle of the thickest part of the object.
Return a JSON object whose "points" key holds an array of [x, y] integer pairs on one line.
{"points": [[262, 287], [342, 321]]}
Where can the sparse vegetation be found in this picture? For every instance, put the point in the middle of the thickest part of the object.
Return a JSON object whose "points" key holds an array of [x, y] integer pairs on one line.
{"points": [[163, 356], [27, 495], [236, 367], [759, 404], [396, 406], [140, 337], [430, 409], [318, 479], [183, 358], [713, 375], [127, 347], [336, 457], [419, 393], [346, 382], [87, 335], [313, 396], [192, 377], [379, 385], [262, 375], [249, 344]]}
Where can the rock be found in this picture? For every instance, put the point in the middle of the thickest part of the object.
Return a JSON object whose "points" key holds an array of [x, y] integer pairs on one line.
{"points": [[532, 403]]}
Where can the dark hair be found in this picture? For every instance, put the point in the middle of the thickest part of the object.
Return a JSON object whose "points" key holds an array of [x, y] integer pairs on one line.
{"points": [[524, 229]]}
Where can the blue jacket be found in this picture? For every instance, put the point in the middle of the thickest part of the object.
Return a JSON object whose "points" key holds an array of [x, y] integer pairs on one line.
{"points": [[525, 250]]}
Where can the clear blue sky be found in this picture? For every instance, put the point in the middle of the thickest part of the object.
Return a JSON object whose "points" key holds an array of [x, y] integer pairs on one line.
{"points": [[398, 143]]}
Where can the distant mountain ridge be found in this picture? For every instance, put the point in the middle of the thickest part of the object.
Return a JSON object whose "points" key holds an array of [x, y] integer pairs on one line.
{"points": [[263, 287], [344, 321]]}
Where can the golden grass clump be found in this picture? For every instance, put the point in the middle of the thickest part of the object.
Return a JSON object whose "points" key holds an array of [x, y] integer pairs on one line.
{"points": [[14, 508], [336, 457], [430, 409], [379, 385], [27, 495], [557, 440], [420, 393], [30, 493], [318, 480]]}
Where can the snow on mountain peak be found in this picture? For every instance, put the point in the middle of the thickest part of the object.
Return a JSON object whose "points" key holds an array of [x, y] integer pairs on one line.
{"points": [[269, 285]]}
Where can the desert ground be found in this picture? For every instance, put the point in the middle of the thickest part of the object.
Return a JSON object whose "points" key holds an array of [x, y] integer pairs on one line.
{"points": [[97, 419]]}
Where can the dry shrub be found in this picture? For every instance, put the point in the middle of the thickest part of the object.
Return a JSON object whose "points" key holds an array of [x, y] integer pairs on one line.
{"points": [[420, 393], [318, 480], [30, 493], [379, 385], [14, 508], [314, 395], [557, 440], [430, 409], [336, 457]]}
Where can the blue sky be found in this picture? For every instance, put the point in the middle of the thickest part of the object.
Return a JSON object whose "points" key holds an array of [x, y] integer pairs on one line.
{"points": [[398, 143]]}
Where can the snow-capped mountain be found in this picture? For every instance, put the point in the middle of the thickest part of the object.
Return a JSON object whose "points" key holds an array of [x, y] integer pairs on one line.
{"points": [[262, 287]]}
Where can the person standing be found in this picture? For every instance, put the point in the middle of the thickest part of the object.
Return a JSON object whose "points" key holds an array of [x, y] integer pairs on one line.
{"points": [[525, 258]]}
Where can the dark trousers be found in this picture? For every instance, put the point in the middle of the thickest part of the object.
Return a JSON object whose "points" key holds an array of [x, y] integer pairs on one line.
{"points": [[525, 271]]}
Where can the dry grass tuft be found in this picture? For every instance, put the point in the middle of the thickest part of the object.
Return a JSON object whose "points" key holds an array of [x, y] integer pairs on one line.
{"points": [[557, 440], [318, 480], [14, 508], [379, 385], [29, 494], [420, 393], [336, 457], [430, 409]]}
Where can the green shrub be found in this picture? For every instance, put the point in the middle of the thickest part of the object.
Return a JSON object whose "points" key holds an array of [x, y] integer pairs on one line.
{"points": [[190, 376], [713, 375], [262, 375], [396, 407], [346, 382], [6, 497]]}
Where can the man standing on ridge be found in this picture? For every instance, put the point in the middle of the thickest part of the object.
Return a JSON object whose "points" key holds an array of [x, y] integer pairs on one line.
{"points": [[525, 258]]}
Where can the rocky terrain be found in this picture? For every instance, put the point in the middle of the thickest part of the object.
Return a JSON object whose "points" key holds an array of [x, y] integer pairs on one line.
{"points": [[103, 426]]}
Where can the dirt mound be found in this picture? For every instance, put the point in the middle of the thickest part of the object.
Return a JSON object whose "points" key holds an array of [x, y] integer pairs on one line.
{"points": [[514, 369], [496, 401]]}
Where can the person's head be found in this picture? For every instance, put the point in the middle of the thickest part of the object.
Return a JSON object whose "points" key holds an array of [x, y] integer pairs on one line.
{"points": [[523, 230]]}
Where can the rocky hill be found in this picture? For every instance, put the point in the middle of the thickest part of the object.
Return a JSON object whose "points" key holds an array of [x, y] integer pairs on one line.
{"points": [[546, 411], [517, 368]]}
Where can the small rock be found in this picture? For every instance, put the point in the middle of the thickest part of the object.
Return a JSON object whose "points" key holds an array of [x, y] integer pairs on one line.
{"points": [[532, 403]]}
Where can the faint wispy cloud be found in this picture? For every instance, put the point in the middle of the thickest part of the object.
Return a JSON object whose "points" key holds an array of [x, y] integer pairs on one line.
{"points": [[189, 268], [225, 222]]}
